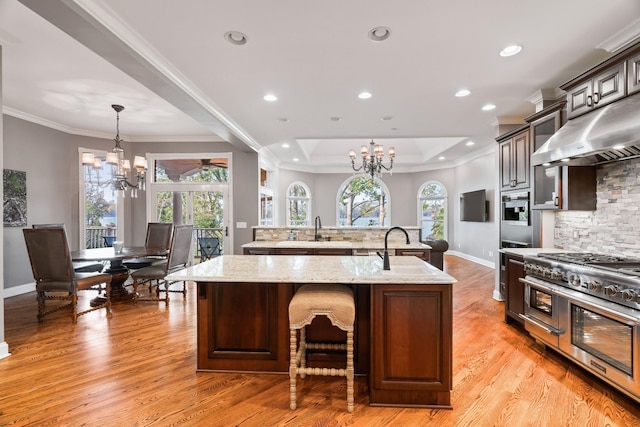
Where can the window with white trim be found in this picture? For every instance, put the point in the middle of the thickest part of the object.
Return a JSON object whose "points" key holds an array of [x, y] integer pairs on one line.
{"points": [[363, 202], [432, 210], [298, 205]]}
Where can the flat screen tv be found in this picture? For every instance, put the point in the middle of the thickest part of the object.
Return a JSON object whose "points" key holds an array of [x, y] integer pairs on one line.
{"points": [[474, 206]]}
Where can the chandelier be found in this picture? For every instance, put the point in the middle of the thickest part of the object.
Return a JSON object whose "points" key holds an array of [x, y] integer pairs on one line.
{"points": [[372, 159], [120, 167]]}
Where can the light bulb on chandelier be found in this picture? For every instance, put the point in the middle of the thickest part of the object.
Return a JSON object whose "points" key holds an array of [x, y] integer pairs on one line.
{"points": [[372, 159], [120, 167]]}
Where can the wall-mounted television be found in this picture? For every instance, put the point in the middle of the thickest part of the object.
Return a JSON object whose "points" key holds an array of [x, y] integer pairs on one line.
{"points": [[474, 206]]}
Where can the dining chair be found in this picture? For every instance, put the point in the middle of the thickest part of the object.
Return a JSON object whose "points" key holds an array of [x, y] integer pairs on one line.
{"points": [[177, 259], [53, 272], [209, 247], [108, 241], [158, 236], [78, 266]]}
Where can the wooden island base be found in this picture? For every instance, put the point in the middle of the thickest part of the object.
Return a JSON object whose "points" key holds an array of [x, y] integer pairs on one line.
{"points": [[403, 326]]}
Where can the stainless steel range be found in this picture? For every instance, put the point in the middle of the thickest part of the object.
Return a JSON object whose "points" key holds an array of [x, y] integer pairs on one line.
{"points": [[587, 306]]}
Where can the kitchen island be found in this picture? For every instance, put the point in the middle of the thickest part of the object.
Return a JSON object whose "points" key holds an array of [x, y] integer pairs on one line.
{"points": [[403, 328]]}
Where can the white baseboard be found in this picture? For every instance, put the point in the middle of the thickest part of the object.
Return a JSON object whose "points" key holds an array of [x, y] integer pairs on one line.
{"points": [[471, 258], [19, 290], [4, 350], [497, 295]]}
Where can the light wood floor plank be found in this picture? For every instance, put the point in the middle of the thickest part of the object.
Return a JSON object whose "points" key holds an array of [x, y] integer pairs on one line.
{"points": [[136, 367]]}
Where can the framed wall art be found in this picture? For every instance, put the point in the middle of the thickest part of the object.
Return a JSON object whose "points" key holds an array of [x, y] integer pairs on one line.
{"points": [[15, 198]]}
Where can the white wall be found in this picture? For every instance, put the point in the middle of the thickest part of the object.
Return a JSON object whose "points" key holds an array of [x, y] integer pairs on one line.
{"points": [[480, 241], [4, 347]]}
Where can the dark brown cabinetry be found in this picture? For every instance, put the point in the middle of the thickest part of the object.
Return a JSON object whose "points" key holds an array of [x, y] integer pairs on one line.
{"points": [[513, 288], [423, 314], [603, 88], [565, 187], [633, 74], [424, 254], [259, 251], [514, 159]]}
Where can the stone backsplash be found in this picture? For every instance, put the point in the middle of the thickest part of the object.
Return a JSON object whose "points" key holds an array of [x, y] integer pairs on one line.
{"points": [[614, 227], [348, 234]]}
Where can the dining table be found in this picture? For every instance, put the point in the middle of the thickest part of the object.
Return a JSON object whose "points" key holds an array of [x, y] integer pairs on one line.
{"points": [[114, 265]]}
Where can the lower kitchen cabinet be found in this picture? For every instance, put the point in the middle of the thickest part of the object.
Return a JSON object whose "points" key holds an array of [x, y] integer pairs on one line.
{"points": [[514, 289], [424, 254]]}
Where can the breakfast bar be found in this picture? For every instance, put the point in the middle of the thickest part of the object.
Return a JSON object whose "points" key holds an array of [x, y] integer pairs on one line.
{"points": [[403, 326]]}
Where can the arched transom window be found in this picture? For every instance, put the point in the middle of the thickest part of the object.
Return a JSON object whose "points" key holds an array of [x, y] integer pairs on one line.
{"points": [[363, 202], [298, 205], [432, 210]]}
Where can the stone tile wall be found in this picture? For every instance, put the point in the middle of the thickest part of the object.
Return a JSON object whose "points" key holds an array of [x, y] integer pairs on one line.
{"points": [[348, 234], [614, 227]]}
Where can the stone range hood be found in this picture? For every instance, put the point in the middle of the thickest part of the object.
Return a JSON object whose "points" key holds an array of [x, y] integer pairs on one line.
{"points": [[596, 137]]}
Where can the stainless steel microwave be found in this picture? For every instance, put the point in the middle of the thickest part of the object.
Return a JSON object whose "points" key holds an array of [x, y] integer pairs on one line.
{"points": [[515, 208]]}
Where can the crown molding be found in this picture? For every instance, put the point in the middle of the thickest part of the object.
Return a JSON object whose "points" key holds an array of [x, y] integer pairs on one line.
{"points": [[92, 134], [622, 39]]}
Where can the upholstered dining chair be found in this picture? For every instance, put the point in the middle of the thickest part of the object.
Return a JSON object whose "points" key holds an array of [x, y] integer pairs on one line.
{"points": [[158, 236], [53, 272], [177, 259], [209, 247], [78, 266]]}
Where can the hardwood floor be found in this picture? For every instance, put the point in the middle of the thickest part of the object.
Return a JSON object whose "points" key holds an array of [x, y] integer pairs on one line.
{"points": [[136, 367]]}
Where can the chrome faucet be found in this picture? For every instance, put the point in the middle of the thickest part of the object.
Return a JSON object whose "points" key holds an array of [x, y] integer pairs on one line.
{"points": [[318, 225], [385, 258]]}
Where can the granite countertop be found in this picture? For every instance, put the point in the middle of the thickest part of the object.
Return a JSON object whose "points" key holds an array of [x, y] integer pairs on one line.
{"points": [[313, 269], [531, 251], [337, 244]]}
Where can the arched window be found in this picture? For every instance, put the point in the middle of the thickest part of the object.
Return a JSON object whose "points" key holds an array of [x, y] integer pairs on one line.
{"points": [[363, 202], [432, 210], [298, 205]]}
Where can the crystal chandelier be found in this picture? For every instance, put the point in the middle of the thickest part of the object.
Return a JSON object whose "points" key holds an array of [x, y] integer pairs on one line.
{"points": [[372, 159], [120, 167]]}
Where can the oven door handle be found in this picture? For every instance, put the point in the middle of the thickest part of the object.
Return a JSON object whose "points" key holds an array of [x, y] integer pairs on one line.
{"points": [[552, 289], [544, 327]]}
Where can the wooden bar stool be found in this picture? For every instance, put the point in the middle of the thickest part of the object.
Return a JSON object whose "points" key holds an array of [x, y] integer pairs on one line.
{"points": [[336, 303]]}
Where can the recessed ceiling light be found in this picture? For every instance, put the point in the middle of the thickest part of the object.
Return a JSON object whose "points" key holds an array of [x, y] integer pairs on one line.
{"points": [[469, 143], [463, 92], [488, 107], [379, 34], [335, 118], [511, 50], [364, 95], [618, 147], [270, 97], [285, 145], [564, 160], [546, 164], [295, 159], [441, 158], [235, 37], [386, 118]]}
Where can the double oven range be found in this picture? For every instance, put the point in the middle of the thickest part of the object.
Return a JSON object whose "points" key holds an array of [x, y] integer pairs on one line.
{"points": [[587, 306]]}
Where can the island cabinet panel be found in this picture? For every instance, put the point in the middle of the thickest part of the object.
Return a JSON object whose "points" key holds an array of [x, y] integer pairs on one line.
{"points": [[411, 361], [259, 251], [242, 327], [423, 254]]}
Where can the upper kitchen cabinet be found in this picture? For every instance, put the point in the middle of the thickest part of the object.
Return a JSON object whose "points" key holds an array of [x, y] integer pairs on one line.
{"points": [[633, 74], [595, 92], [605, 83], [565, 187], [514, 159]]}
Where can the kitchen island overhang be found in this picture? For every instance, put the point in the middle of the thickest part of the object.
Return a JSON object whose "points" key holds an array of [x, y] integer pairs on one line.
{"points": [[403, 319]]}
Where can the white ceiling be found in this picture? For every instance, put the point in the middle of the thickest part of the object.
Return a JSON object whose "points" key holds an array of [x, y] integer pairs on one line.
{"points": [[169, 64]]}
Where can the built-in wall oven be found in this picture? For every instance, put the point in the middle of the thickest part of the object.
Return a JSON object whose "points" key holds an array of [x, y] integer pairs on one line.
{"points": [[591, 318]]}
